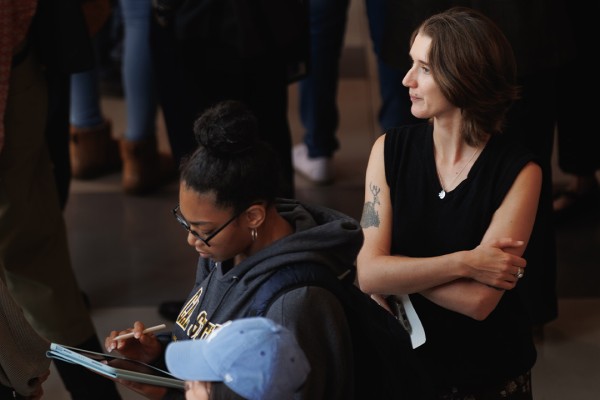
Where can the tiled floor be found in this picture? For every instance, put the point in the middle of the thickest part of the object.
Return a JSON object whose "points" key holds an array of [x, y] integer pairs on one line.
{"points": [[129, 254]]}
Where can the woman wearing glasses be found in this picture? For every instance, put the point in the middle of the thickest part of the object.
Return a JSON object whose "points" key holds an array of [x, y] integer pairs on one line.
{"points": [[243, 234]]}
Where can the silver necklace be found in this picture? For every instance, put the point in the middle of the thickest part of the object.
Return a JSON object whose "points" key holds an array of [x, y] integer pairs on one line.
{"points": [[443, 192]]}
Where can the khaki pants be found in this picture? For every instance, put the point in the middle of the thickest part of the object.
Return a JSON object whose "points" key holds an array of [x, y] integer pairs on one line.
{"points": [[34, 254]]}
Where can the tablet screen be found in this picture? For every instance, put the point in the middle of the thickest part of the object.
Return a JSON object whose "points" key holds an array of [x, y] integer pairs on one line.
{"points": [[115, 366]]}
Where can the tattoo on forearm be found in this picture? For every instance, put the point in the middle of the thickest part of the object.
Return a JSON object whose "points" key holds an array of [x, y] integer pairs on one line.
{"points": [[370, 216]]}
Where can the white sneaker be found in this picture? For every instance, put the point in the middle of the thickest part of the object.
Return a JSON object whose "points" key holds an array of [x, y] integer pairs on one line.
{"points": [[318, 170]]}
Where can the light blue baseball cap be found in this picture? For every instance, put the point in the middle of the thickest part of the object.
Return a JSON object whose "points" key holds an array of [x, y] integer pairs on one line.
{"points": [[255, 357]]}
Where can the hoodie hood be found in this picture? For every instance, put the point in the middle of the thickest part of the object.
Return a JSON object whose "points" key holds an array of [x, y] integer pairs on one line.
{"points": [[322, 236]]}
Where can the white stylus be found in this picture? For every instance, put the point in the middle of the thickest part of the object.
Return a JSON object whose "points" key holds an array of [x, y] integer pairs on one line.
{"points": [[147, 330]]}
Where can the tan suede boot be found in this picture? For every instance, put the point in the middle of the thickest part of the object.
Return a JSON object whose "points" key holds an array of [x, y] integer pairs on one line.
{"points": [[144, 169], [93, 151]]}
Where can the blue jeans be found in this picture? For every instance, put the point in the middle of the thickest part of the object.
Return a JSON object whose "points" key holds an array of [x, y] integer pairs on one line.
{"points": [[318, 91], [395, 101], [138, 78], [138, 75], [85, 109]]}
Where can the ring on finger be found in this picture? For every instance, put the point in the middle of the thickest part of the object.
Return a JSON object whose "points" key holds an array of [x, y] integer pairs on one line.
{"points": [[519, 273]]}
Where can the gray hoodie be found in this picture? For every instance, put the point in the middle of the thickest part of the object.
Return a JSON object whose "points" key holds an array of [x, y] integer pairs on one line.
{"points": [[322, 236]]}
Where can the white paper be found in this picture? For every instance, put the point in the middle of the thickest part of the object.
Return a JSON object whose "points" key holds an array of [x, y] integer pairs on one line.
{"points": [[417, 333]]}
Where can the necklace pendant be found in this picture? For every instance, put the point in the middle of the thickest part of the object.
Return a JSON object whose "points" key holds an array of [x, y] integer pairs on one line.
{"points": [[442, 194]]}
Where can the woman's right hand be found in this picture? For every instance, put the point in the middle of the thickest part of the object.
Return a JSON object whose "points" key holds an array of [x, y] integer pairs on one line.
{"points": [[492, 264], [143, 347]]}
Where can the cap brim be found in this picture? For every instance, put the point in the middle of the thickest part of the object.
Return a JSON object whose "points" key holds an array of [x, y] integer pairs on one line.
{"points": [[185, 360]]}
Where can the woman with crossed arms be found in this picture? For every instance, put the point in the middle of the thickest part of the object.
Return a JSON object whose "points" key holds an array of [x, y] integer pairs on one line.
{"points": [[449, 210]]}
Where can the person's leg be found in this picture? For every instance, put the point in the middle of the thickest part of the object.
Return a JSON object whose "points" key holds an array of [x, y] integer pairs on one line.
{"points": [[109, 52], [318, 91], [174, 93], [85, 109], [34, 253], [395, 101], [138, 75], [93, 151], [143, 168]]}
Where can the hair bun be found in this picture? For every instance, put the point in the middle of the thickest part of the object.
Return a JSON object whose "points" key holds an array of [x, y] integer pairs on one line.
{"points": [[226, 129]]}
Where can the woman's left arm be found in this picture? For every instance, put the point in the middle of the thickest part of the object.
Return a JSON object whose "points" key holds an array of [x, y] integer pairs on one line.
{"points": [[513, 219]]}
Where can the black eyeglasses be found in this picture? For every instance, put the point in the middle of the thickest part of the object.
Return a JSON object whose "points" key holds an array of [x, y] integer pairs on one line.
{"points": [[188, 228]]}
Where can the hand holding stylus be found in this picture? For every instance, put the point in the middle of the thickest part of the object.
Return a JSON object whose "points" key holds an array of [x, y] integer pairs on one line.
{"points": [[147, 330]]}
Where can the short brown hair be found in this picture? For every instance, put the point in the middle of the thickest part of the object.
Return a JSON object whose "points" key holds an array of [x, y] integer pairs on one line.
{"points": [[474, 65]]}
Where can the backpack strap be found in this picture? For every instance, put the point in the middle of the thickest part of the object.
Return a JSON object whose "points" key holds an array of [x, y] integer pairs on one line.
{"points": [[292, 277]]}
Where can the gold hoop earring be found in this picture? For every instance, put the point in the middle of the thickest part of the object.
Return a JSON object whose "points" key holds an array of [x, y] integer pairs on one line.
{"points": [[254, 234]]}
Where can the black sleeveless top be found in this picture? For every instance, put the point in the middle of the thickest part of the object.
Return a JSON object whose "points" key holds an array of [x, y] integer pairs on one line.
{"points": [[459, 350]]}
